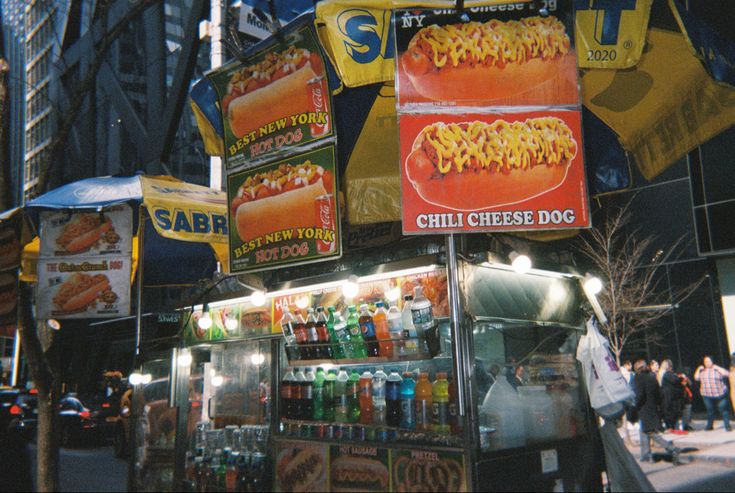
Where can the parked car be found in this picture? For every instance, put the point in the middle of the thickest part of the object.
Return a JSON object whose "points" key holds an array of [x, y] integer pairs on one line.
{"points": [[78, 423], [19, 411]]}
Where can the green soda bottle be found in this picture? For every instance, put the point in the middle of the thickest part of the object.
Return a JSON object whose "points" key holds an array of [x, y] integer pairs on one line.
{"points": [[358, 343], [317, 393], [328, 395], [353, 397], [338, 351]]}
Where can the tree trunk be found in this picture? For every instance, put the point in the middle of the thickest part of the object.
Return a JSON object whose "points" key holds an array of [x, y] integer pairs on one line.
{"points": [[44, 370]]}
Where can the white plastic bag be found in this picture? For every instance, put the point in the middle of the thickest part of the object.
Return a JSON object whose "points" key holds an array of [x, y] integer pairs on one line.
{"points": [[606, 386]]}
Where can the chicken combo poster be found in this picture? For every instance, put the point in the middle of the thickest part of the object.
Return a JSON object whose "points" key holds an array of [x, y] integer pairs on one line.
{"points": [[85, 263], [489, 117]]}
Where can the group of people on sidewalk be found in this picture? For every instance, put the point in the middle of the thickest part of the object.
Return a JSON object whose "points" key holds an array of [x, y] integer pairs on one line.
{"points": [[664, 398]]}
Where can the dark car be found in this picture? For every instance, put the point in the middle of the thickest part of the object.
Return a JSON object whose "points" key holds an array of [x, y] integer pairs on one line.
{"points": [[78, 423], [19, 411]]}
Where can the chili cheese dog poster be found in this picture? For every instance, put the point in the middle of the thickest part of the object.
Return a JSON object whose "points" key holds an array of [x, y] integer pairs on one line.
{"points": [[274, 100], [284, 212], [492, 172], [67, 233], [512, 54]]}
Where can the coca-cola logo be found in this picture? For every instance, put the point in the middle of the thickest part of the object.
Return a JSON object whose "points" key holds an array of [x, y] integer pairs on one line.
{"points": [[325, 214], [317, 98]]}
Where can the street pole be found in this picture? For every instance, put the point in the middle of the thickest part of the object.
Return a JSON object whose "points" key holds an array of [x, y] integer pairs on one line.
{"points": [[217, 57]]}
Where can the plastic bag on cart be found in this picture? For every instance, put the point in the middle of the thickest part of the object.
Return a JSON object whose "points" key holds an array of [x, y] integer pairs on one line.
{"points": [[608, 390]]}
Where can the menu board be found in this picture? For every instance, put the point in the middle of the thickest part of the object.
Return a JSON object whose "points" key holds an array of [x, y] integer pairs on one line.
{"points": [[489, 119], [284, 212], [301, 466], [72, 233], [427, 470], [94, 287], [244, 320], [492, 172], [275, 98], [514, 54], [358, 468]]}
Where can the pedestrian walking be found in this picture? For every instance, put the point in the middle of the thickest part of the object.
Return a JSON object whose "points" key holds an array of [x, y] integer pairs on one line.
{"points": [[713, 389], [647, 397], [688, 398], [654, 367], [673, 394]]}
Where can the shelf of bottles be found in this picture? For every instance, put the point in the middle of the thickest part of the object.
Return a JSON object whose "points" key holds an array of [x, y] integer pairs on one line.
{"points": [[230, 459]]}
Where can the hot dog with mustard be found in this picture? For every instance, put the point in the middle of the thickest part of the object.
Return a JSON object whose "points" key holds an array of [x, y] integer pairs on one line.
{"points": [[477, 165]]}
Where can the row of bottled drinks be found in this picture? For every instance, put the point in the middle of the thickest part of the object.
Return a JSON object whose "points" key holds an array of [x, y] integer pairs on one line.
{"points": [[382, 332], [368, 406], [231, 459]]}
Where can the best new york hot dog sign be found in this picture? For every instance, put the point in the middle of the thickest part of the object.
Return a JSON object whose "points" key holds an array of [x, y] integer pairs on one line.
{"points": [[274, 100], [284, 212]]}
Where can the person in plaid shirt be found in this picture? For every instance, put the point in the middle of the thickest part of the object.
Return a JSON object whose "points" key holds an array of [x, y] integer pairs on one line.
{"points": [[713, 388]]}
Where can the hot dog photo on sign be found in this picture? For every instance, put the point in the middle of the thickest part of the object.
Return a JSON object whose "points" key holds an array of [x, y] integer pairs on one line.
{"points": [[505, 55], [87, 232]]}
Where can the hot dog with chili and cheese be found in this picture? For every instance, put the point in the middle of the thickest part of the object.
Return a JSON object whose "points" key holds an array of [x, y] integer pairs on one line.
{"points": [[272, 89], [279, 199], [83, 231], [500, 59], [477, 165], [80, 290]]}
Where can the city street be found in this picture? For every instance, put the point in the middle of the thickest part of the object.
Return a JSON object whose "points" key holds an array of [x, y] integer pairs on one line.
{"points": [[90, 469]]}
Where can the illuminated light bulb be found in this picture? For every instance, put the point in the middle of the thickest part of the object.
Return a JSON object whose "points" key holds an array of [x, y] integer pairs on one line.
{"points": [[521, 263], [257, 298], [146, 378], [184, 359], [205, 321], [393, 294], [231, 324], [217, 381], [302, 302], [257, 359], [592, 284], [350, 288], [135, 378]]}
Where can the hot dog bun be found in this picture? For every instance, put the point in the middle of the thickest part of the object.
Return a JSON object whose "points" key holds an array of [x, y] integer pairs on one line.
{"points": [[82, 232], [358, 474], [8, 293], [476, 165], [490, 60], [79, 291], [301, 472]]}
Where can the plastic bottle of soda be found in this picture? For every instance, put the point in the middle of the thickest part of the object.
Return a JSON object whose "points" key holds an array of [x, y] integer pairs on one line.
{"points": [[366, 398], [356, 340], [379, 404], [423, 403], [368, 330], [325, 349], [422, 314], [317, 391], [302, 336], [393, 399], [455, 420], [440, 404], [382, 330], [353, 397], [288, 323], [329, 383], [395, 326], [312, 335], [340, 397], [408, 401], [336, 348], [409, 331], [342, 335], [287, 394], [308, 395], [299, 389]]}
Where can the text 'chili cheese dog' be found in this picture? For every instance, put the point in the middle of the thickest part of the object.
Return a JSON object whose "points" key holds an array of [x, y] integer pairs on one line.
{"points": [[79, 291], [282, 198], [498, 59], [272, 89], [477, 165]]}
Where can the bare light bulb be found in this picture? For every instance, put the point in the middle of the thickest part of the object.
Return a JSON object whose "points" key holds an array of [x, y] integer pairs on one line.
{"points": [[257, 298]]}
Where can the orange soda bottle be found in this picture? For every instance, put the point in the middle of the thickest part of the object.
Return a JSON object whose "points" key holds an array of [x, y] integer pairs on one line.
{"points": [[382, 331]]}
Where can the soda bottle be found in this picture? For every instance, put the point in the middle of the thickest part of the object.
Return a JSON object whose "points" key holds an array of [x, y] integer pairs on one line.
{"points": [[409, 331], [382, 331], [379, 404], [357, 343], [393, 399], [219, 468], [336, 347], [307, 395], [298, 390], [353, 397], [395, 327], [302, 337], [329, 382], [408, 404], [423, 316], [312, 335], [340, 397], [343, 335], [368, 331], [287, 391], [231, 472], [423, 403], [325, 349], [317, 390], [455, 420], [288, 323], [440, 404], [366, 398]]}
